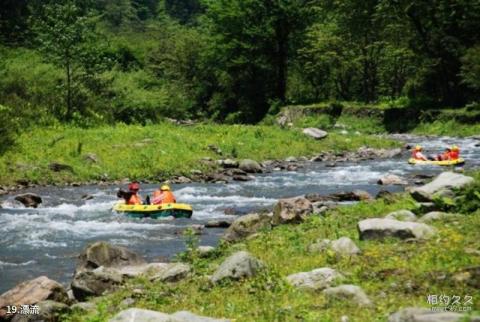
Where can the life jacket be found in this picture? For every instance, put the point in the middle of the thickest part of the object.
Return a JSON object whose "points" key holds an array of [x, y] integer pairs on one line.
{"points": [[160, 197], [446, 156], [454, 155], [416, 156], [134, 200]]}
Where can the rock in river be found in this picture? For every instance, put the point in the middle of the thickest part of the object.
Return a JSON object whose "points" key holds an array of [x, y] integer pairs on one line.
{"points": [[239, 265], [250, 166], [32, 292], [445, 181], [392, 179], [107, 255], [95, 282], [379, 228], [291, 211], [29, 200], [247, 225]]}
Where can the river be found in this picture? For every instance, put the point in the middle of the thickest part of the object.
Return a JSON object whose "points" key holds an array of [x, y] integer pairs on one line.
{"points": [[46, 240]]}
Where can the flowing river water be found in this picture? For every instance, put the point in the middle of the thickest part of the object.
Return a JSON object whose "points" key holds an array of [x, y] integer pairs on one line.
{"points": [[46, 240]]}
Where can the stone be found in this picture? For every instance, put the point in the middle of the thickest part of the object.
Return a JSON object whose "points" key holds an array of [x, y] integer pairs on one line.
{"points": [[91, 157], [238, 266], [469, 276], [242, 178], [228, 163], [218, 224], [392, 179], [356, 195], [379, 228], [291, 211], [247, 225], [319, 246], [84, 307], [47, 311], [173, 273], [181, 180], [57, 167], [315, 133], [186, 316], [87, 197], [250, 166], [437, 215], [344, 246], [141, 315], [416, 314], [315, 280], [351, 293], [205, 251], [107, 255], [402, 215], [95, 282], [446, 180], [33, 292], [29, 200], [291, 159]]}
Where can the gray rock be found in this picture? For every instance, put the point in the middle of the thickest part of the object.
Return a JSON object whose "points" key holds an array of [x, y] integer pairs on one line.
{"points": [[32, 292], [173, 273], [392, 179], [84, 307], [319, 246], [379, 228], [141, 315], [95, 282], [402, 215], [218, 224], [47, 311], [228, 163], [291, 159], [247, 225], [348, 292], [315, 133], [186, 316], [239, 265], [29, 200], [315, 280], [437, 215], [290, 211], [414, 314], [344, 246], [250, 166], [446, 180], [107, 255], [205, 251], [91, 157]]}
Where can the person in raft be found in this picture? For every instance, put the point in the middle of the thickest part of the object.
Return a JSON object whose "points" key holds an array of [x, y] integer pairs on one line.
{"points": [[417, 154], [163, 195], [445, 156], [131, 196]]}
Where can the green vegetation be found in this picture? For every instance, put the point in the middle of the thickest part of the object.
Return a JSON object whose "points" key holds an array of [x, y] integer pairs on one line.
{"points": [[394, 274], [155, 151]]}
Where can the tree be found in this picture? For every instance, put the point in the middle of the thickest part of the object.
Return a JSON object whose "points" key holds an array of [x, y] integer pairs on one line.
{"points": [[66, 35]]}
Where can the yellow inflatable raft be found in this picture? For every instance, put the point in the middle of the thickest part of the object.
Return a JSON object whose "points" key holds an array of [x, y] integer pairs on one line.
{"points": [[459, 161], [177, 210]]}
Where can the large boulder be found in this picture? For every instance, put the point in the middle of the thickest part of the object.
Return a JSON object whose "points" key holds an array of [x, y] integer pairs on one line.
{"points": [[250, 166], [379, 228], [107, 255], [95, 282], [416, 314], [174, 272], [290, 211], [164, 272], [436, 216], [402, 215], [29, 200], [247, 225], [392, 179], [315, 133], [445, 181], [142, 315], [344, 246], [351, 293], [239, 265], [32, 292], [315, 280], [356, 195], [228, 163], [48, 310]]}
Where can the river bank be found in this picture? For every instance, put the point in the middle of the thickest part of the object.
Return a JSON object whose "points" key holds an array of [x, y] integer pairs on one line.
{"points": [[426, 254]]}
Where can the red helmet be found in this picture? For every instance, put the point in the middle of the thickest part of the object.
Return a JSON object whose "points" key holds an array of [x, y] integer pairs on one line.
{"points": [[134, 186]]}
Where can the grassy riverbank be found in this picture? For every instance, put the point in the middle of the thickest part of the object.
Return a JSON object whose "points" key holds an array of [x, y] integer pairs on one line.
{"points": [[393, 273], [156, 152]]}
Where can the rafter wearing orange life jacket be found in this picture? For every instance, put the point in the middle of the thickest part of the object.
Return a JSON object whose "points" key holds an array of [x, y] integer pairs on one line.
{"points": [[164, 195], [135, 198], [454, 153]]}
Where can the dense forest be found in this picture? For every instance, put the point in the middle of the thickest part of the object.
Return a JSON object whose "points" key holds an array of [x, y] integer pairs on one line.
{"points": [[137, 61]]}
